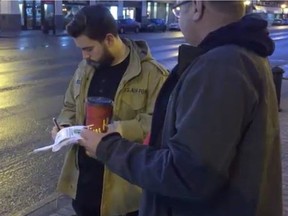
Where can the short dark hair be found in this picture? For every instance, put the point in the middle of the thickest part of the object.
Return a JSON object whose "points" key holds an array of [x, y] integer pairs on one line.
{"points": [[94, 22]]}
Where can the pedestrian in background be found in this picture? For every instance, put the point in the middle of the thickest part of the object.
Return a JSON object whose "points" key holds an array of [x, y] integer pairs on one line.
{"points": [[215, 146], [125, 72]]}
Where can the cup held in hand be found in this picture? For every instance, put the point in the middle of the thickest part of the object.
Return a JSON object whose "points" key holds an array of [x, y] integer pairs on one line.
{"points": [[99, 111]]}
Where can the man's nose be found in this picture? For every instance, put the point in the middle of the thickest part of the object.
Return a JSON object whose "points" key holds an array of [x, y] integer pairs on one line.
{"points": [[85, 55]]}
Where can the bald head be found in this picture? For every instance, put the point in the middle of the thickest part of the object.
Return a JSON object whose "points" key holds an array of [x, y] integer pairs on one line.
{"points": [[231, 8], [202, 17]]}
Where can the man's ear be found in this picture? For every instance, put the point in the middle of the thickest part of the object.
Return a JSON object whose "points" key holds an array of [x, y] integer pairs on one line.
{"points": [[198, 8], [109, 39]]}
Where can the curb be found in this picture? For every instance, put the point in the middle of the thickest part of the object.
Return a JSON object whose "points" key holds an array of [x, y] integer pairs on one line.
{"points": [[43, 207], [29, 35], [9, 36]]}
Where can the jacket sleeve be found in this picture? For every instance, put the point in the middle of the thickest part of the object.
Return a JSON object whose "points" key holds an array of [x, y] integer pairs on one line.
{"points": [[136, 129], [67, 115], [211, 109]]}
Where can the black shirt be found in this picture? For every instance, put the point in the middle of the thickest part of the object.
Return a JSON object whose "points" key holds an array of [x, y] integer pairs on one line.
{"points": [[106, 80], [104, 83]]}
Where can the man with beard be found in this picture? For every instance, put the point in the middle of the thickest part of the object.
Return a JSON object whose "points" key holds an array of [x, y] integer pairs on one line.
{"points": [[124, 71], [215, 147]]}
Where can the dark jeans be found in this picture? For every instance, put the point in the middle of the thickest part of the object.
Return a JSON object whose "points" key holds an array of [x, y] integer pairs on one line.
{"points": [[86, 211], [89, 187], [132, 213]]}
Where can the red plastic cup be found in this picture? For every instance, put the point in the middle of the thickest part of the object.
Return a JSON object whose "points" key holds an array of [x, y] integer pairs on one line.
{"points": [[99, 111]]}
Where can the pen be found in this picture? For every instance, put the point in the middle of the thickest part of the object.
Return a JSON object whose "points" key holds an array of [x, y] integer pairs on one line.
{"points": [[56, 124]]}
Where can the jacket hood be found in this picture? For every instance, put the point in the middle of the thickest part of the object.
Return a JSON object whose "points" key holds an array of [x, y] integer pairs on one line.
{"points": [[141, 48], [250, 32]]}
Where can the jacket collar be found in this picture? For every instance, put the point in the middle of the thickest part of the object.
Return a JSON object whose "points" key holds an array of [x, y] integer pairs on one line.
{"points": [[250, 33], [134, 66], [187, 54]]}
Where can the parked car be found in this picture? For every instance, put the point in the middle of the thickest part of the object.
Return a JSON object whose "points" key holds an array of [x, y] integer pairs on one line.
{"points": [[154, 25], [128, 25], [280, 22], [285, 21], [174, 26]]}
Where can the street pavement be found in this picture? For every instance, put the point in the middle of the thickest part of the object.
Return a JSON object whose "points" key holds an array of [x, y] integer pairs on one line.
{"points": [[34, 72]]}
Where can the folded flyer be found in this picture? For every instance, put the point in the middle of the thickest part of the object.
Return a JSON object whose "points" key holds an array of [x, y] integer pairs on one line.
{"points": [[66, 136]]}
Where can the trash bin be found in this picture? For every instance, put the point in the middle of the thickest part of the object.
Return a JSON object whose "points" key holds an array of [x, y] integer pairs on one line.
{"points": [[277, 78]]}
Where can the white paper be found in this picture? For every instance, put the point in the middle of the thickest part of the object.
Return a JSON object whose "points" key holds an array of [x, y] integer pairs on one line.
{"points": [[66, 136]]}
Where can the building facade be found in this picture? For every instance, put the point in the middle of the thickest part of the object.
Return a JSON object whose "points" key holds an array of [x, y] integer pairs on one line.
{"points": [[31, 14]]}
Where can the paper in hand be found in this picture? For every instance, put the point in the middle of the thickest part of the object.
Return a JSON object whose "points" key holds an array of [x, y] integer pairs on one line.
{"points": [[66, 136]]}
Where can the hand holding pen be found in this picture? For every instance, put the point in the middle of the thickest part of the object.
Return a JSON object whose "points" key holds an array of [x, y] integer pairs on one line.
{"points": [[56, 124], [55, 129]]}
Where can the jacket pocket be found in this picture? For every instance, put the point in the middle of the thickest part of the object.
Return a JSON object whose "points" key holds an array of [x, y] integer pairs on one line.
{"points": [[76, 91], [134, 102], [130, 106]]}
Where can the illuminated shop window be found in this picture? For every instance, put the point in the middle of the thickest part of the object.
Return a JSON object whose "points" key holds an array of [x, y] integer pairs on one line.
{"points": [[114, 11], [155, 9], [148, 9]]}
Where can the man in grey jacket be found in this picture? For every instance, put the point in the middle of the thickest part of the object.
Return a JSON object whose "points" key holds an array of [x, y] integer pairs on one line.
{"points": [[214, 147]]}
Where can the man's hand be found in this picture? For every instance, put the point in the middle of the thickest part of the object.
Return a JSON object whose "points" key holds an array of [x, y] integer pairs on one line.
{"points": [[54, 132], [90, 139]]}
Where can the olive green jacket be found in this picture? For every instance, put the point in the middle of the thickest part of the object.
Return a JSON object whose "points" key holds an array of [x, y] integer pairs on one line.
{"points": [[133, 108]]}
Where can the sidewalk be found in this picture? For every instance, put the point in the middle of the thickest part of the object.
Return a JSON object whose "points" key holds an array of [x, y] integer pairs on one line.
{"points": [[56, 205], [61, 205]]}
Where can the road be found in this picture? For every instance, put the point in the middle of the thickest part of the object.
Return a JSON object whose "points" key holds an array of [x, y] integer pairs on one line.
{"points": [[34, 73]]}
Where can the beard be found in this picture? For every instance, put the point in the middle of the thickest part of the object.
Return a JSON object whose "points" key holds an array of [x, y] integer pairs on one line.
{"points": [[106, 59]]}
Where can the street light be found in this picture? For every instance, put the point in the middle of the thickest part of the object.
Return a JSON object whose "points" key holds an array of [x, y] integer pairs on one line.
{"points": [[247, 4], [283, 6]]}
